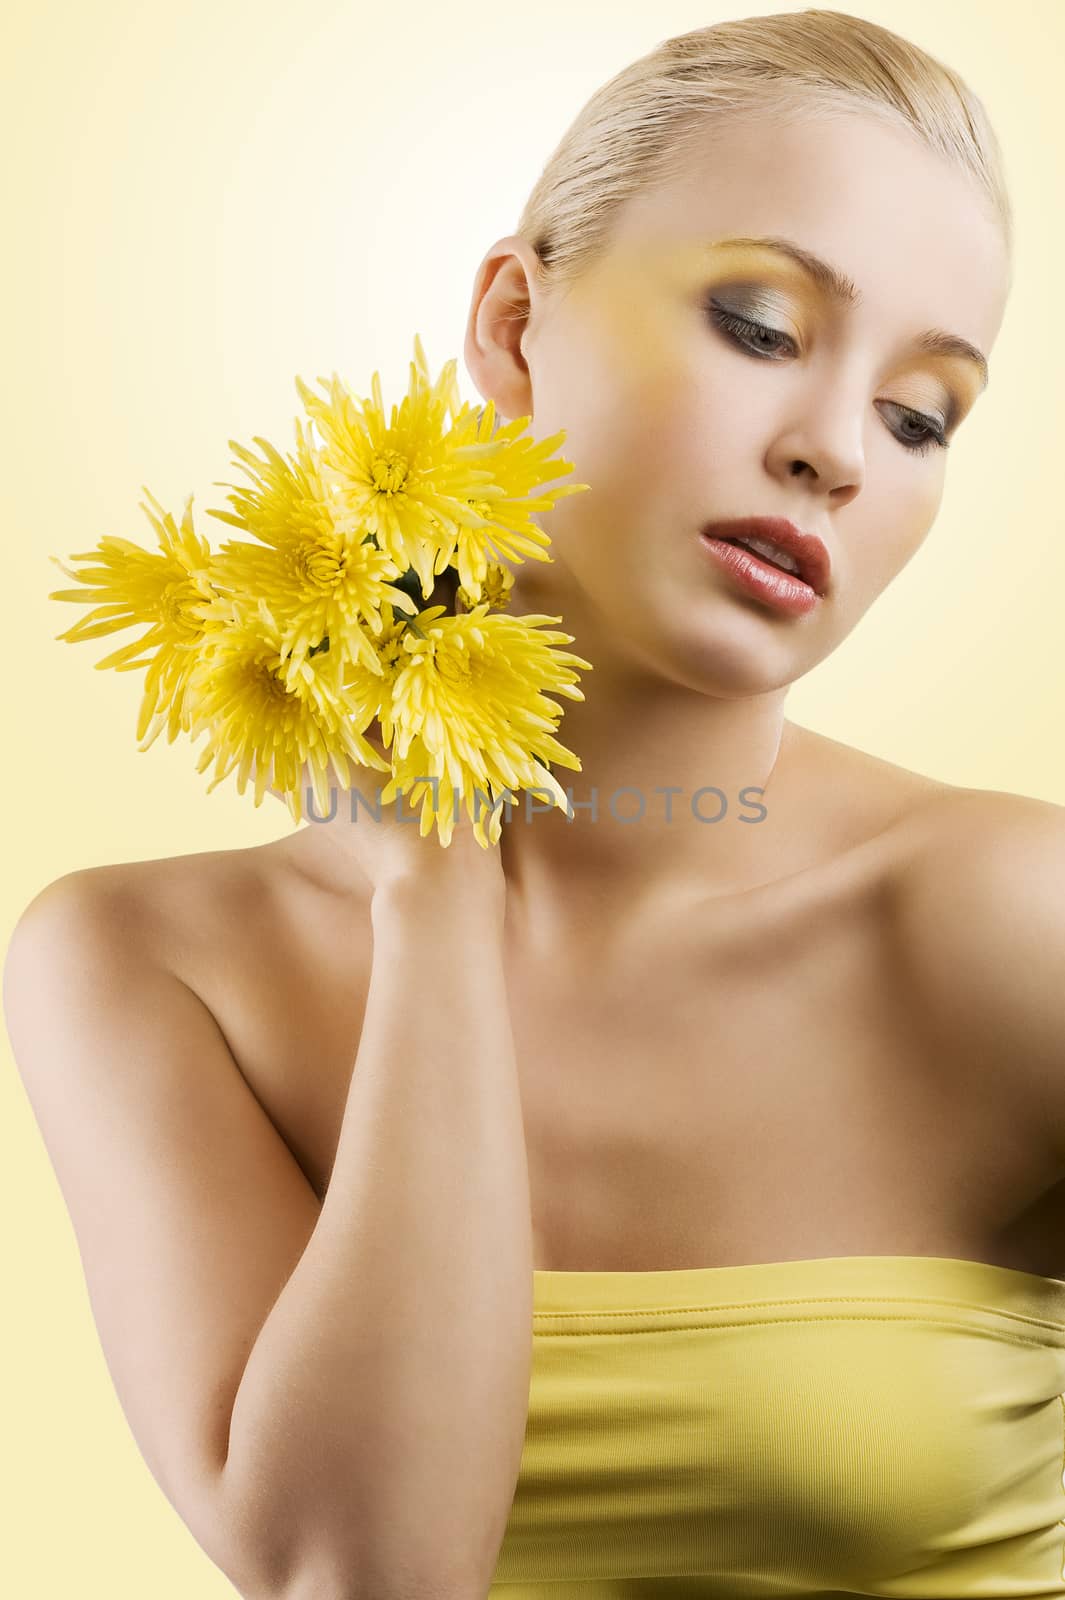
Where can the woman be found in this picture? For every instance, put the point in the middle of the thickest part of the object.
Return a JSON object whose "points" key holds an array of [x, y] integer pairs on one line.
{"points": [[737, 1093]]}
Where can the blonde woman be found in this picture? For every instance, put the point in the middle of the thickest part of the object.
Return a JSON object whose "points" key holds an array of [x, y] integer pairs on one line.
{"points": [[668, 1202]]}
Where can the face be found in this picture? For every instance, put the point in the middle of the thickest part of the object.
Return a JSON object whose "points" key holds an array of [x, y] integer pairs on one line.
{"points": [[697, 380]]}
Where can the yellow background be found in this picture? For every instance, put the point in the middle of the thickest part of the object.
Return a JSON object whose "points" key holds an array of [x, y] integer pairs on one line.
{"points": [[202, 200]]}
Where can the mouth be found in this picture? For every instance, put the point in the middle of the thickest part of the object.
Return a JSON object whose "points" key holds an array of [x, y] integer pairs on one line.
{"points": [[780, 544]]}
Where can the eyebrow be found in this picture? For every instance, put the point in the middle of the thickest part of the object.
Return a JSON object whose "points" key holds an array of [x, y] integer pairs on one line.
{"points": [[845, 292]]}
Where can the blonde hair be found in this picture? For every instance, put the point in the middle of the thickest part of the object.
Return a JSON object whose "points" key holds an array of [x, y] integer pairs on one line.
{"points": [[638, 128]]}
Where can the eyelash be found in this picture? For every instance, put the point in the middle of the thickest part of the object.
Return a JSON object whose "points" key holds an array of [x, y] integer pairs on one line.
{"points": [[734, 327]]}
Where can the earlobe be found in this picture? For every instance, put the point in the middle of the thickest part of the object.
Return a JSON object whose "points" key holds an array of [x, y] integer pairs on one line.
{"points": [[498, 322]]}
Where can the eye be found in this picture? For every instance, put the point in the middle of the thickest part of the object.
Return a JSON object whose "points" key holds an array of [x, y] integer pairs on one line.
{"points": [[931, 434], [753, 336], [749, 334]]}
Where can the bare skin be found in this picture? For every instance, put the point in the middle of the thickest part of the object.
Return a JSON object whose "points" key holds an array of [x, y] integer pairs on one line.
{"points": [[695, 1006], [665, 1068]]}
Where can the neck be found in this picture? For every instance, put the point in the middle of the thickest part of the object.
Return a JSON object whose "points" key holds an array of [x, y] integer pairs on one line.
{"points": [[677, 787]]}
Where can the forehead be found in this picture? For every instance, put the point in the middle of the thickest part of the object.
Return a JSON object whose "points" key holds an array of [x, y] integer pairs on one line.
{"points": [[913, 231]]}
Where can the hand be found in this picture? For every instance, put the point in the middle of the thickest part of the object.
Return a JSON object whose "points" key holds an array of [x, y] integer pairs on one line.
{"points": [[390, 849]]}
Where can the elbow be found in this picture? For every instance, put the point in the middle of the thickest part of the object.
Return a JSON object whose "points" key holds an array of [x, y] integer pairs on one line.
{"points": [[321, 1566], [323, 1582], [311, 1586]]}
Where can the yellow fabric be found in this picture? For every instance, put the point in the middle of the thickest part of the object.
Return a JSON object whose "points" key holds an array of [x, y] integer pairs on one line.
{"points": [[846, 1425]]}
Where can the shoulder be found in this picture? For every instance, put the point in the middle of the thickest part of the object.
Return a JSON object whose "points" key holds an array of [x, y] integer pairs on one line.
{"points": [[946, 839], [92, 903], [977, 849], [860, 797], [151, 908], [980, 929]]}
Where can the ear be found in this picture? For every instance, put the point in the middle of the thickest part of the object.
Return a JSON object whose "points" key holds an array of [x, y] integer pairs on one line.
{"points": [[505, 299]]}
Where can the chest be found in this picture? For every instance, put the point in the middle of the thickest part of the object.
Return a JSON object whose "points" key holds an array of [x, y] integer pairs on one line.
{"points": [[725, 1094], [719, 1086]]}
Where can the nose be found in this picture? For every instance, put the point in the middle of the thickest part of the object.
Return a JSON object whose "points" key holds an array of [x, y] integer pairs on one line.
{"points": [[824, 446]]}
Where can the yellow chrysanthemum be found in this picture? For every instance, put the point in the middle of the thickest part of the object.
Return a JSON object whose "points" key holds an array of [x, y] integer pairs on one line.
{"points": [[504, 507], [263, 709], [494, 591], [372, 693], [167, 592], [318, 580], [287, 650], [434, 495], [470, 710]]}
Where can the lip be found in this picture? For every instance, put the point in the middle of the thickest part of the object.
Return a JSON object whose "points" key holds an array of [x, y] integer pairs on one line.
{"points": [[796, 593]]}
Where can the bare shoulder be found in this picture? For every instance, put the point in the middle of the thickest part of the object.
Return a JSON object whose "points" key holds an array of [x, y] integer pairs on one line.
{"points": [[137, 894], [980, 931], [173, 910], [975, 903], [937, 827], [986, 849], [864, 803]]}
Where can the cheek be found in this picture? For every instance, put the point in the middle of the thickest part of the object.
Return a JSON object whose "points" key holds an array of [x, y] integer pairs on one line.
{"points": [[915, 512], [888, 540], [730, 407], [621, 442], [619, 379]]}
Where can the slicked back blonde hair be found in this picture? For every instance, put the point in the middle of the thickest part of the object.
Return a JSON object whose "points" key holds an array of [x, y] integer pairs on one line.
{"points": [[638, 129]]}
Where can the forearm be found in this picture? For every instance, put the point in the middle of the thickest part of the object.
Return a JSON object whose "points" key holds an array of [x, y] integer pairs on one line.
{"points": [[377, 1432]]}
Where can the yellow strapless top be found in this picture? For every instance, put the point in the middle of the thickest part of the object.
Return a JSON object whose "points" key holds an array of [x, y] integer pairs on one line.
{"points": [[845, 1425]]}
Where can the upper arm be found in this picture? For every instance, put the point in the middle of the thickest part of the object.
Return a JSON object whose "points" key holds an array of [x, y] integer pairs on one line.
{"points": [[189, 1211], [983, 933]]}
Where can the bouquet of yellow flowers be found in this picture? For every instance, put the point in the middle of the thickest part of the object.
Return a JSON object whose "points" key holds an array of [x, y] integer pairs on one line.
{"points": [[287, 650]]}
